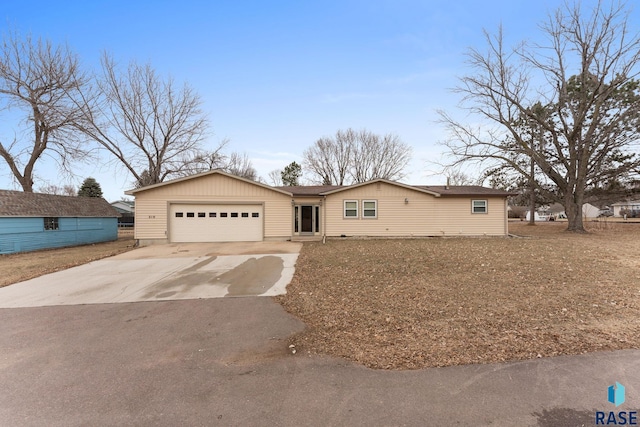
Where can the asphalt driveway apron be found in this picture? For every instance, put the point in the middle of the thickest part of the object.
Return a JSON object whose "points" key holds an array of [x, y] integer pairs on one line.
{"points": [[164, 272]]}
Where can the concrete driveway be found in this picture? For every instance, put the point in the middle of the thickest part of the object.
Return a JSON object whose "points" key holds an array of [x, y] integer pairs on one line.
{"points": [[164, 272]]}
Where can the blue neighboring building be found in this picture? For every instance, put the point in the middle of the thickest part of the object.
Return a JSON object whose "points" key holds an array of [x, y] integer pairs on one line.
{"points": [[32, 221]]}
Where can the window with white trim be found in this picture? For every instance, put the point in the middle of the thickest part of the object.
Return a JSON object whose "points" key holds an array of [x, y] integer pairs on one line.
{"points": [[351, 209], [369, 209], [479, 206]]}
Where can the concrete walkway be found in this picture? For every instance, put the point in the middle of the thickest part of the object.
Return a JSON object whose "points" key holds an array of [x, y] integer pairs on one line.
{"points": [[164, 272], [225, 362]]}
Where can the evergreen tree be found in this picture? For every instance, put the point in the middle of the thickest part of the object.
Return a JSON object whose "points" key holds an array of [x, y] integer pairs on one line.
{"points": [[291, 174], [90, 188]]}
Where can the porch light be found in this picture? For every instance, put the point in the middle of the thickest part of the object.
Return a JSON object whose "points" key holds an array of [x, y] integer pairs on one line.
{"points": [[406, 201]]}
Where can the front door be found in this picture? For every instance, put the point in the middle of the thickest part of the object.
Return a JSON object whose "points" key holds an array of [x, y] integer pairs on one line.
{"points": [[306, 219]]}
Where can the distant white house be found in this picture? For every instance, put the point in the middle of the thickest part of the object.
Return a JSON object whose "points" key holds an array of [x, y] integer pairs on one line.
{"points": [[536, 216], [590, 211], [556, 211], [629, 205], [124, 206]]}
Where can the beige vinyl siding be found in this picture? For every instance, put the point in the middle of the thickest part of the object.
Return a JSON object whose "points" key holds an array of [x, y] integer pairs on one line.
{"points": [[151, 219], [422, 214], [213, 188]]}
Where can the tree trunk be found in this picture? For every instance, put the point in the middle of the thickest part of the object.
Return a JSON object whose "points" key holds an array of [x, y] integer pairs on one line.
{"points": [[573, 209], [532, 195]]}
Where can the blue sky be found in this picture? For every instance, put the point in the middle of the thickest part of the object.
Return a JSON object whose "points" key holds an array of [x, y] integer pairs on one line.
{"points": [[277, 75]]}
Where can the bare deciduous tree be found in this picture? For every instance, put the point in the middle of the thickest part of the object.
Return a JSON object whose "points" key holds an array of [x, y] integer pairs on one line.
{"points": [[153, 128], [587, 104], [356, 156], [240, 165], [275, 178], [329, 159], [65, 190], [41, 81]]}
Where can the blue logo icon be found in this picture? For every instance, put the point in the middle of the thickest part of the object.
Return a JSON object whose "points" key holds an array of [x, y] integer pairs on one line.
{"points": [[616, 394]]}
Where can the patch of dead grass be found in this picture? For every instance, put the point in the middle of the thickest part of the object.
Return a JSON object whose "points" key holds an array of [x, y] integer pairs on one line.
{"points": [[409, 304], [18, 267]]}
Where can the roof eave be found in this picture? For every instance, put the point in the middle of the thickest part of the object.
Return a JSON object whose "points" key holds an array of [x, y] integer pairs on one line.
{"points": [[199, 175]]}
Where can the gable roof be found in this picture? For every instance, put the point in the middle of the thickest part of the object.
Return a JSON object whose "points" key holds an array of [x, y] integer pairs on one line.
{"points": [[200, 175], [21, 204], [434, 190], [123, 206], [398, 184], [464, 190]]}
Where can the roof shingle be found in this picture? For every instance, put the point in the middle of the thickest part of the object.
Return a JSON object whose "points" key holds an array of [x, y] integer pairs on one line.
{"points": [[18, 203], [308, 190], [443, 190]]}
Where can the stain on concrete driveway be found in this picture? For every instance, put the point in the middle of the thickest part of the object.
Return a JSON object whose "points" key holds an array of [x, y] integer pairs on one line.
{"points": [[164, 272]]}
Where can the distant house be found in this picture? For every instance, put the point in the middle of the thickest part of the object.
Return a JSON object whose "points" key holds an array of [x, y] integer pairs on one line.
{"points": [[631, 207], [124, 206], [32, 221], [590, 211], [218, 207], [126, 209], [556, 211]]}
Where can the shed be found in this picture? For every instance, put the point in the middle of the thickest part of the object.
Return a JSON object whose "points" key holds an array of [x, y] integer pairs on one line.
{"points": [[32, 221]]}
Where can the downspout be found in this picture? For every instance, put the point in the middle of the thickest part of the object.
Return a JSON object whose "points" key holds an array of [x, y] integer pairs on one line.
{"points": [[324, 219], [506, 217]]}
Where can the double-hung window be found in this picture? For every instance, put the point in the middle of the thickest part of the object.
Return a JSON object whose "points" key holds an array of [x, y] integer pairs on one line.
{"points": [[350, 208], [369, 209], [479, 206]]}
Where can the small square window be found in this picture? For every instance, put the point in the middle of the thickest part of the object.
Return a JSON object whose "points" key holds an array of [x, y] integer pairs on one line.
{"points": [[234, 214], [255, 215], [245, 214], [201, 215], [190, 215], [179, 214], [369, 209], [479, 206], [212, 214], [223, 214], [51, 223], [350, 208]]}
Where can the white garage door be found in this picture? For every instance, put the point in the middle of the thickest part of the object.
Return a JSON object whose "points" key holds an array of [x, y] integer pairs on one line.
{"points": [[215, 223]]}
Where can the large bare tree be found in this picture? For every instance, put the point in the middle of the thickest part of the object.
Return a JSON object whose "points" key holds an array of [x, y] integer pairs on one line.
{"points": [[356, 156], [39, 84], [569, 106], [152, 127]]}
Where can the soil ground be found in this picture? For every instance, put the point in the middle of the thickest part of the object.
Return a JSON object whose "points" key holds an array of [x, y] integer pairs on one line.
{"points": [[27, 265], [410, 304]]}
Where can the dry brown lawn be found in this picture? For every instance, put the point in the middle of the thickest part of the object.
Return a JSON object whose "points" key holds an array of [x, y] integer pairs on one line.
{"points": [[24, 266], [409, 304]]}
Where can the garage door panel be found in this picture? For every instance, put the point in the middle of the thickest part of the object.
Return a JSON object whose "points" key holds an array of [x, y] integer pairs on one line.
{"points": [[215, 223]]}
